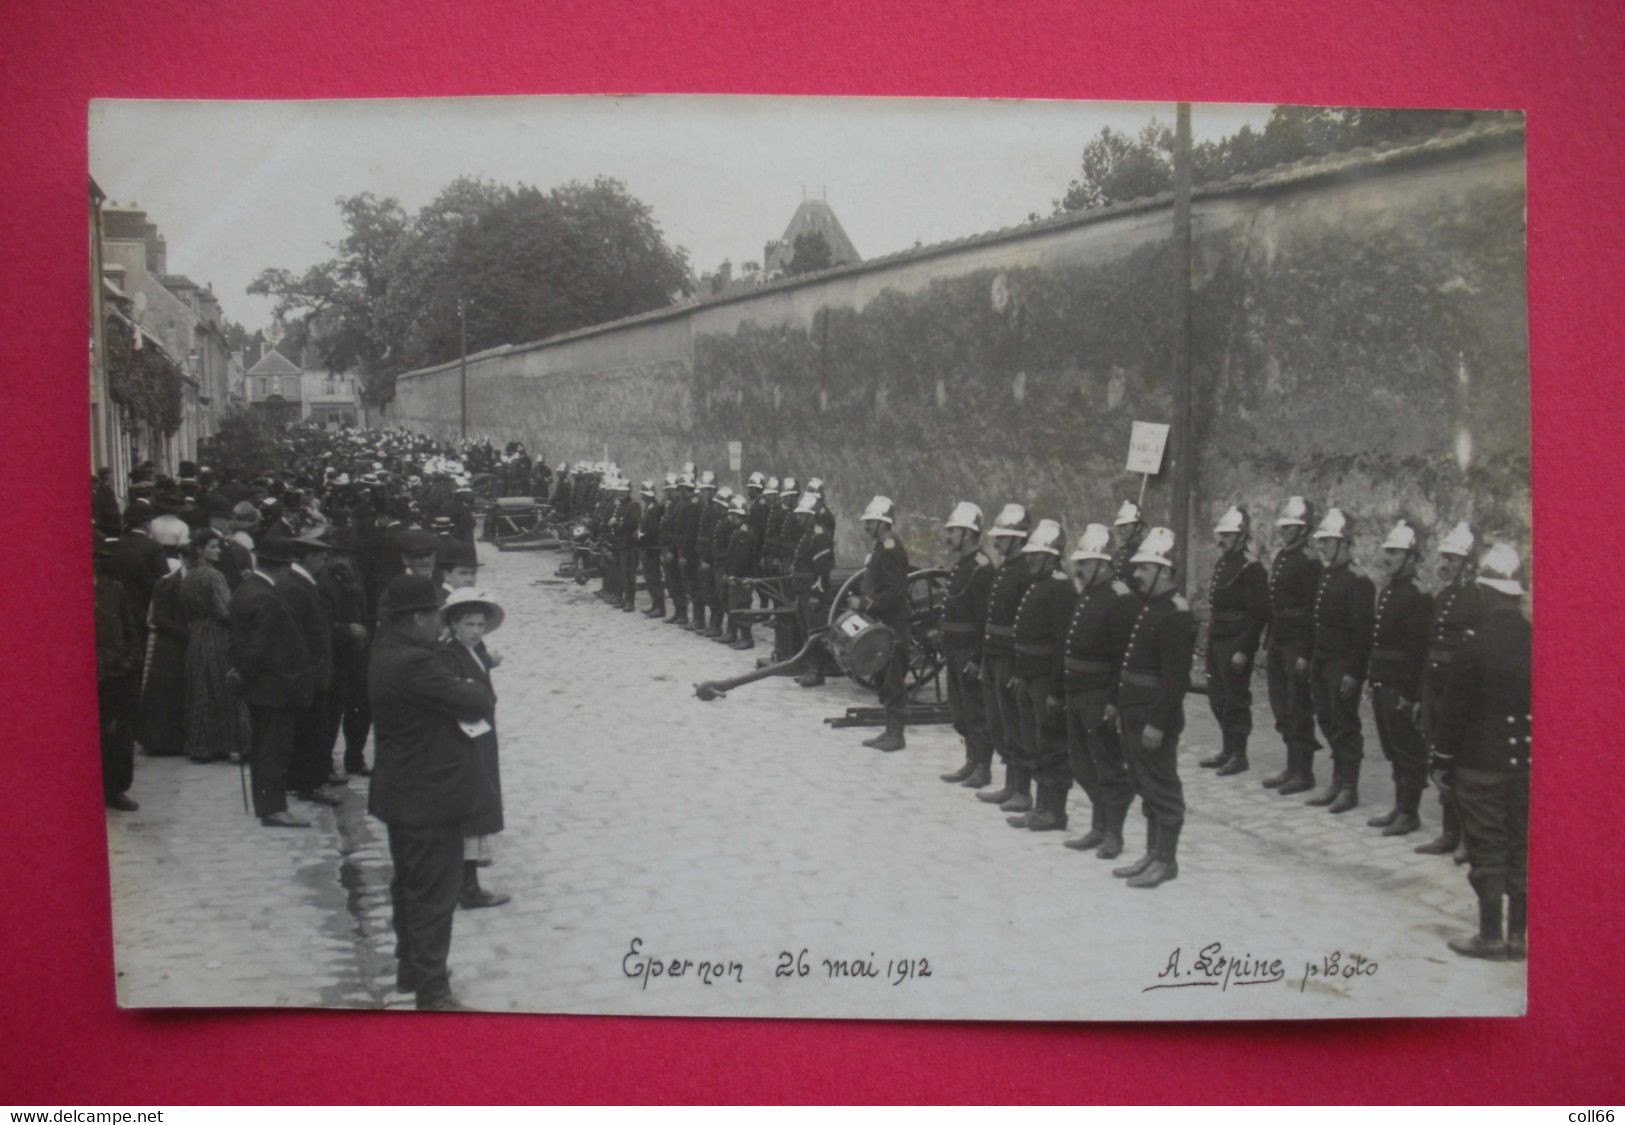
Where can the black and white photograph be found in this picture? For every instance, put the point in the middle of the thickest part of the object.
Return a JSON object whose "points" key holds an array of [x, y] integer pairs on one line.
{"points": [[813, 557]]}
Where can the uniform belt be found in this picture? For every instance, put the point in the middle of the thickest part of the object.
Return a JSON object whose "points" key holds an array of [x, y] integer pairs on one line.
{"points": [[1001, 630], [1141, 679], [1289, 614], [959, 627], [1035, 650], [1229, 616], [1441, 655], [1078, 664], [1388, 654]]}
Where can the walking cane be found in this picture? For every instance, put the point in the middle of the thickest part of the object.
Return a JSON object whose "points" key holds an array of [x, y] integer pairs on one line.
{"points": [[242, 774]]}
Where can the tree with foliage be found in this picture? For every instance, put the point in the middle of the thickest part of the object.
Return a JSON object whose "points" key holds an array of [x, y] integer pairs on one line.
{"points": [[809, 253], [142, 379], [1117, 167], [524, 263]]}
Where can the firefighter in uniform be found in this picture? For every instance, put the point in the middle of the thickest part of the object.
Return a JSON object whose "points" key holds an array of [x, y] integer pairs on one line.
{"points": [[1128, 528], [1041, 621], [1481, 752], [1399, 643], [673, 544], [1339, 650], [776, 549], [885, 597], [1239, 609], [648, 552], [738, 564], [810, 566], [1091, 660], [1294, 578], [721, 531], [1010, 582], [760, 512], [1151, 689], [1456, 611], [620, 550], [696, 548], [964, 615]]}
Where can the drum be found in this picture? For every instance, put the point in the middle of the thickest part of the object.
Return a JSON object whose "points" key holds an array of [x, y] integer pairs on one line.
{"points": [[862, 644]]}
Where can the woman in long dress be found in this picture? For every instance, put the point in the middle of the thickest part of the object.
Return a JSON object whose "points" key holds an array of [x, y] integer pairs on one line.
{"points": [[160, 724], [216, 719]]}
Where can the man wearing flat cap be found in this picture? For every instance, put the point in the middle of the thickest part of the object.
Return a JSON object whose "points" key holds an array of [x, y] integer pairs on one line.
{"points": [[425, 781]]}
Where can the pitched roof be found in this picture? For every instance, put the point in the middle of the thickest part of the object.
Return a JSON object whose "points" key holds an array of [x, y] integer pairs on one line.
{"points": [[274, 363], [817, 215]]}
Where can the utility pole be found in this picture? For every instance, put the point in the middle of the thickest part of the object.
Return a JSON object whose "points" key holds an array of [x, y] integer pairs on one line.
{"points": [[462, 329], [1183, 437]]}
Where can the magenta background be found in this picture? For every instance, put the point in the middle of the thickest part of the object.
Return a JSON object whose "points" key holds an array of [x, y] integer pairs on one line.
{"points": [[1562, 61]]}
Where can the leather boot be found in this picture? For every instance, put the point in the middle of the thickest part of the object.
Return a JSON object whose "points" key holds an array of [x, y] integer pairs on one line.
{"points": [[1460, 854], [1145, 860], [697, 625], [715, 630], [1332, 790], [1022, 799], [680, 617], [1517, 927], [1288, 771], [744, 642], [1349, 796], [981, 777], [473, 896], [1390, 816], [1487, 944], [891, 740], [961, 773], [1302, 765], [1214, 761], [1003, 793], [1096, 835], [1236, 762], [1166, 865], [1049, 811], [725, 636], [1112, 846], [656, 610], [1405, 819], [1442, 844]]}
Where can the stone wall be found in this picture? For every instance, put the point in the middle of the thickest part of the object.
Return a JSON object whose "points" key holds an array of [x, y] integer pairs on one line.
{"points": [[1359, 337]]}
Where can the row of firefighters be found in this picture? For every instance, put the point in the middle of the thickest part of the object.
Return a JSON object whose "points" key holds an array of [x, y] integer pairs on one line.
{"points": [[1072, 665]]}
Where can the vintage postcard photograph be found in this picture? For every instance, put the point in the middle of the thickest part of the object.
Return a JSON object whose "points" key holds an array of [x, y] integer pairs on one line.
{"points": [[813, 557]]}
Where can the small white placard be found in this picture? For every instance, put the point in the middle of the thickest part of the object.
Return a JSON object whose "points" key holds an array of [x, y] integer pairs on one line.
{"points": [[1145, 446]]}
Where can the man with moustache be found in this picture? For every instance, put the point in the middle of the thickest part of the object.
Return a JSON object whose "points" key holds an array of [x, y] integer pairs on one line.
{"points": [[1239, 609], [964, 616], [1404, 618], [1010, 582], [1457, 609], [1340, 633], [1294, 577]]}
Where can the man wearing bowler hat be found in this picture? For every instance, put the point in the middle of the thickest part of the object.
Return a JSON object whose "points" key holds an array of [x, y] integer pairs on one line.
{"points": [[425, 781]]}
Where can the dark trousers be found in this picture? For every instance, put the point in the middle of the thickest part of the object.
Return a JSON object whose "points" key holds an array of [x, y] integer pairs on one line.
{"points": [[697, 576], [1096, 751], [270, 749], [611, 571], [967, 707], [423, 897], [671, 565], [739, 597], [812, 612], [722, 594], [354, 706], [313, 736], [1338, 715], [1229, 689], [653, 577], [1291, 701], [894, 680], [1494, 809], [1401, 741], [1432, 692], [626, 561], [115, 708], [1155, 773], [1043, 733], [1003, 716]]}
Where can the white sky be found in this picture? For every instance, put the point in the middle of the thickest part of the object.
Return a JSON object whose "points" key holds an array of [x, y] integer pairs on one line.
{"points": [[236, 187]]}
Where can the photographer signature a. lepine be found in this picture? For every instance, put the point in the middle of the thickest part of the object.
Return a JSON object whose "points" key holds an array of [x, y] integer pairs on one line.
{"points": [[1212, 967]]}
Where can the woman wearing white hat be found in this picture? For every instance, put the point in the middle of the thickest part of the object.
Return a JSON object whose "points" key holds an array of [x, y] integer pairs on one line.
{"points": [[470, 615]]}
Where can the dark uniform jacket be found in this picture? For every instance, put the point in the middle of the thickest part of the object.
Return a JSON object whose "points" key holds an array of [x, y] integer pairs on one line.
{"points": [[561, 499], [964, 608], [814, 558], [773, 545], [721, 533], [756, 518], [1484, 718], [885, 582], [1238, 601], [1092, 653], [622, 525], [1010, 582], [705, 534], [1400, 638], [426, 771], [1457, 610], [649, 530], [674, 523], [266, 647], [347, 602], [1343, 619], [693, 508], [1157, 662], [1041, 621], [138, 563], [314, 616], [1294, 578], [1121, 566], [739, 557]]}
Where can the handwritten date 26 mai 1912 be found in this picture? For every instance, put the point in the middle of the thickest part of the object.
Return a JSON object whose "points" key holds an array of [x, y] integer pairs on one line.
{"points": [[1212, 967]]}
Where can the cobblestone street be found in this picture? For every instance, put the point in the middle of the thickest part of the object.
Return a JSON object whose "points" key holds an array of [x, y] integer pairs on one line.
{"points": [[741, 832]]}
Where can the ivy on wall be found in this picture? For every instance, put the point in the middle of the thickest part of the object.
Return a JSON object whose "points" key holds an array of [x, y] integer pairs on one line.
{"points": [[144, 381]]}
